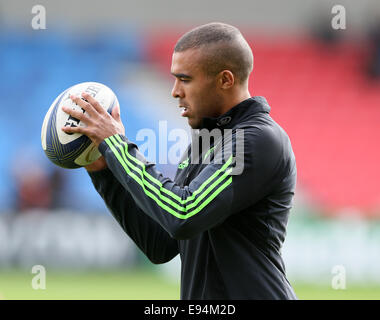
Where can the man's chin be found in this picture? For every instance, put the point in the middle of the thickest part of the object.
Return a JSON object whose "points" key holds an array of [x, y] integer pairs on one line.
{"points": [[194, 124]]}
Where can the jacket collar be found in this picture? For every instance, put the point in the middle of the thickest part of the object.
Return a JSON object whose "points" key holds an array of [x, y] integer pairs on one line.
{"points": [[237, 113]]}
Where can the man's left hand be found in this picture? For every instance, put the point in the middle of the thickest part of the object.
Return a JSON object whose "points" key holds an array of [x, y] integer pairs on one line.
{"points": [[100, 124]]}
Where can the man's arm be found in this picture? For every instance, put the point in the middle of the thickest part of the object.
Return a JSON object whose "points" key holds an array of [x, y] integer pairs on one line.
{"points": [[210, 198], [148, 235]]}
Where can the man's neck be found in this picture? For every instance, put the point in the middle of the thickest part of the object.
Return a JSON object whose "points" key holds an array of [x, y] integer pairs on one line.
{"points": [[235, 100]]}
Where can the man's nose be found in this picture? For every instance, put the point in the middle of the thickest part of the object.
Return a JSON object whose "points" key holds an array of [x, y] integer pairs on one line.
{"points": [[176, 91]]}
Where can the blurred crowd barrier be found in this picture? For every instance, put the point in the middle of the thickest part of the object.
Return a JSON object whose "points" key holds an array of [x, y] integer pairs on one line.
{"points": [[316, 250], [313, 251], [63, 240]]}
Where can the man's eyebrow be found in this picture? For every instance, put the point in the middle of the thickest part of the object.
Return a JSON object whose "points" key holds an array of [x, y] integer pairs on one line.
{"points": [[181, 75]]}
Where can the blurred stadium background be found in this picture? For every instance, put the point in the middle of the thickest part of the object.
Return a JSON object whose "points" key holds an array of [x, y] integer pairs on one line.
{"points": [[324, 89]]}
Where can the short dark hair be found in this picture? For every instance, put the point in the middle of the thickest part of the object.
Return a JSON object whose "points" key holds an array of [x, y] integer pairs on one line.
{"points": [[225, 49]]}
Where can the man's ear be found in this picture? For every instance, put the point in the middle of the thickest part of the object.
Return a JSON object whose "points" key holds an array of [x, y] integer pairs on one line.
{"points": [[226, 79]]}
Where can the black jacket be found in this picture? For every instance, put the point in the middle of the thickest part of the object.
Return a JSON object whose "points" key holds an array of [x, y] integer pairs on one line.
{"points": [[226, 219]]}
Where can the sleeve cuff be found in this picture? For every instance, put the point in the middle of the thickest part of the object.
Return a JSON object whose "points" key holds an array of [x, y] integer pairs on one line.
{"points": [[103, 146], [101, 174]]}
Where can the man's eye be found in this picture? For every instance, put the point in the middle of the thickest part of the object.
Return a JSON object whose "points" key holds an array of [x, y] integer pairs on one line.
{"points": [[184, 80]]}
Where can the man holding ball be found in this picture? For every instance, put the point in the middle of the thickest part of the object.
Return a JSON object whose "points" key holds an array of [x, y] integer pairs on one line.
{"points": [[227, 225]]}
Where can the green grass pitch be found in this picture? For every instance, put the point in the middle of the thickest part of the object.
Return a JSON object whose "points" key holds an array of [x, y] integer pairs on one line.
{"points": [[138, 285]]}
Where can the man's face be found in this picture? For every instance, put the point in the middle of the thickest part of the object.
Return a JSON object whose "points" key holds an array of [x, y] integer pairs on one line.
{"points": [[196, 91]]}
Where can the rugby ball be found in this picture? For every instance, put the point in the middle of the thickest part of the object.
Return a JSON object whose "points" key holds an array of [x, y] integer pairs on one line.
{"points": [[73, 150]]}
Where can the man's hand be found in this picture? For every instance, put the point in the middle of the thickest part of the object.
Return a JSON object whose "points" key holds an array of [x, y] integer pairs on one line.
{"points": [[100, 124]]}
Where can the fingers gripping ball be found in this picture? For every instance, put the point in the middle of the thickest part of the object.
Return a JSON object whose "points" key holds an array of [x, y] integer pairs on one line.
{"points": [[73, 150]]}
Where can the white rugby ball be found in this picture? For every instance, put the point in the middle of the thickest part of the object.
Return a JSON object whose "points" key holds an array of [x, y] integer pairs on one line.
{"points": [[73, 150]]}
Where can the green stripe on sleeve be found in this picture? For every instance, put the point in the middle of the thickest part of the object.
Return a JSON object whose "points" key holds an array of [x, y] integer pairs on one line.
{"points": [[127, 165], [158, 182]]}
